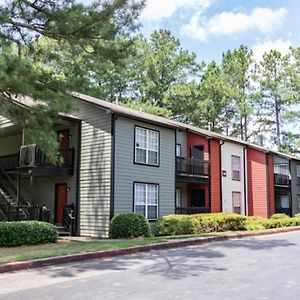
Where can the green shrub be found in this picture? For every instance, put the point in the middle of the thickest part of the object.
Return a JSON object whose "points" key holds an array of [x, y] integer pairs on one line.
{"points": [[200, 223], [129, 225], [297, 216], [254, 223], [176, 225], [219, 222], [279, 216], [14, 234]]}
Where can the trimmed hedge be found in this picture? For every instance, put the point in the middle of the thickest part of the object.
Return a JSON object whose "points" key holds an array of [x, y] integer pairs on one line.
{"points": [[200, 223], [279, 216], [220, 222], [14, 234], [129, 225]]}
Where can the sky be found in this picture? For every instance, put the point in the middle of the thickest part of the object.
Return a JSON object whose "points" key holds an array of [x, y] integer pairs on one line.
{"points": [[211, 27]]}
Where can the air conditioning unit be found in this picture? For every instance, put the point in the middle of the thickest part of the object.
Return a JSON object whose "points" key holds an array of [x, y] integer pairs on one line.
{"points": [[27, 156]]}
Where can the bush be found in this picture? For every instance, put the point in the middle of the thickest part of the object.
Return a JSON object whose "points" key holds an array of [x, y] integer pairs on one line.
{"points": [[220, 222], [129, 225], [176, 225], [297, 216], [279, 216], [200, 223], [254, 223], [14, 234]]}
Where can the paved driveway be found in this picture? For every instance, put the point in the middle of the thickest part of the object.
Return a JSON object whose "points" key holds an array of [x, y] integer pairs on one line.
{"points": [[256, 268]]}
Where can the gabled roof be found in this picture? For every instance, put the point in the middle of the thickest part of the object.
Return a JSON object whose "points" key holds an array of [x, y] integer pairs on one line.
{"points": [[139, 115]]}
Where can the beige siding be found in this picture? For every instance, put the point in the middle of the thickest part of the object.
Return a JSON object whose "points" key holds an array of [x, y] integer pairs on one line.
{"points": [[95, 170], [229, 185]]}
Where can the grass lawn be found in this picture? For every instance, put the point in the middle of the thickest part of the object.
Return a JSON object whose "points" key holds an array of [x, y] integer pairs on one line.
{"points": [[65, 247]]}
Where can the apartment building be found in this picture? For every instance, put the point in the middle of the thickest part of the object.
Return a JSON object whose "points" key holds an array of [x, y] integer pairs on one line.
{"points": [[113, 159]]}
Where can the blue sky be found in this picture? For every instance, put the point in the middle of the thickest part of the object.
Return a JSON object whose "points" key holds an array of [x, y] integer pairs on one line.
{"points": [[210, 27]]}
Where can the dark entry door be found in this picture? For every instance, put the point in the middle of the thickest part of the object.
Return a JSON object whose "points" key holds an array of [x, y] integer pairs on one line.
{"points": [[197, 152], [198, 198], [61, 199]]}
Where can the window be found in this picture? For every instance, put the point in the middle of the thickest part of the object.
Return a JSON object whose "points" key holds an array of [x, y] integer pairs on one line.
{"points": [[146, 200], [298, 174], [178, 150], [178, 197], [236, 202], [281, 169], [146, 146], [236, 167]]}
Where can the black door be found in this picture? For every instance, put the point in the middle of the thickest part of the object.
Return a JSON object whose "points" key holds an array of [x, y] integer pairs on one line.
{"points": [[198, 198], [197, 152]]}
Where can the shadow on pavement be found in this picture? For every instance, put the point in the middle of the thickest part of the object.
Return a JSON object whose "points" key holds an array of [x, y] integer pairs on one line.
{"points": [[173, 263]]}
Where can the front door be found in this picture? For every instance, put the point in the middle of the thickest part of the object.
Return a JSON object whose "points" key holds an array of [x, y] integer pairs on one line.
{"points": [[61, 199], [198, 198]]}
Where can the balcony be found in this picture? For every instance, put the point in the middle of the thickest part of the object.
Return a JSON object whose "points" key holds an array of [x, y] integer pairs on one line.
{"points": [[192, 210], [31, 160], [192, 170], [282, 180]]}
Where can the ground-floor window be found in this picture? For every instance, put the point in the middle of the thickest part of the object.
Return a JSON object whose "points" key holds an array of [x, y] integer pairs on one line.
{"points": [[178, 197], [236, 202], [146, 200], [298, 202]]}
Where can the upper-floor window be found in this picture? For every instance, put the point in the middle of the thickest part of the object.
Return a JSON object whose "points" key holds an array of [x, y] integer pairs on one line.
{"points": [[281, 169], [146, 146], [236, 167], [178, 150], [298, 173], [146, 200]]}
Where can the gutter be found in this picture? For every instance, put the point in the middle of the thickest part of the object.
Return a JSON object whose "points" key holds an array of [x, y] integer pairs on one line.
{"points": [[221, 179], [245, 183]]}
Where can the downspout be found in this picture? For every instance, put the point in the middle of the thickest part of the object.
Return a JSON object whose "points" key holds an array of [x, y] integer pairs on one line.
{"points": [[78, 162], [245, 182], [175, 170], [221, 179], [112, 165]]}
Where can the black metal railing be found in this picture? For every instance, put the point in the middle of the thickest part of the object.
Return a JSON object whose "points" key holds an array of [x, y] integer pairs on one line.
{"points": [[192, 210], [68, 220], [9, 162], [282, 180], [191, 166]]}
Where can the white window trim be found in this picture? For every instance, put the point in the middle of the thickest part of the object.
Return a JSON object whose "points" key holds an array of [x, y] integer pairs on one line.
{"points": [[146, 200], [147, 149]]}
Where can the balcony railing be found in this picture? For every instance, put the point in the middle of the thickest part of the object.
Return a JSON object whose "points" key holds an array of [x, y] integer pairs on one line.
{"points": [[192, 210], [192, 167], [282, 180], [31, 156], [9, 162]]}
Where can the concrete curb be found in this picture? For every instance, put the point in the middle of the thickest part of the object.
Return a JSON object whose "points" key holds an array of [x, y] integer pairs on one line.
{"points": [[30, 264]]}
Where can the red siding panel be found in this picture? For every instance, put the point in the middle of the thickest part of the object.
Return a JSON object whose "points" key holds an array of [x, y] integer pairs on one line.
{"points": [[257, 183], [195, 139], [215, 176], [271, 185]]}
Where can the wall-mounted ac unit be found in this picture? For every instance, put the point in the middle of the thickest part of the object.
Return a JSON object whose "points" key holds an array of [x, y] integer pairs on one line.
{"points": [[27, 156]]}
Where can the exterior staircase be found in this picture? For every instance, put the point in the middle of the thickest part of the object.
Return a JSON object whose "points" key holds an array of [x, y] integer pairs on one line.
{"points": [[10, 208]]}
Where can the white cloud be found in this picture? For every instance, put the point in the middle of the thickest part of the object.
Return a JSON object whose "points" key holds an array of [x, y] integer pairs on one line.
{"points": [[264, 20], [156, 10], [266, 46]]}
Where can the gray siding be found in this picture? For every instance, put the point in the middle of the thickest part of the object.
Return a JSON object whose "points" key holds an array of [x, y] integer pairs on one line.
{"points": [[95, 170], [4, 122], [295, 188], [181, 139], [10, 144], [126, 172]]}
